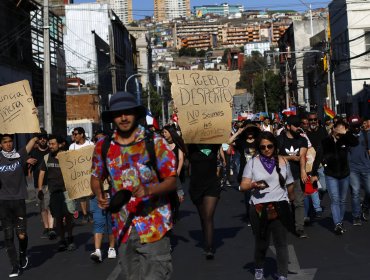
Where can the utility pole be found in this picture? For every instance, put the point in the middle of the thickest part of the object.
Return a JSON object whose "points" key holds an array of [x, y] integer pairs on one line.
{"points": [[264, 90], [148, 90], [112, 56], [163, 114], [47, 89], [286, 83]]}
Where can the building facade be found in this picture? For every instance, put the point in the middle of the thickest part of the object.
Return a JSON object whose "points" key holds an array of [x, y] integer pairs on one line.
{"points": [[350, 44], [165, 10], [22, 56], [224, 10], [122, 8]]}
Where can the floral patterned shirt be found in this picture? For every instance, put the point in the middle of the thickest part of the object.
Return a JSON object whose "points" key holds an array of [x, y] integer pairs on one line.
{"points": [[128, 167]]}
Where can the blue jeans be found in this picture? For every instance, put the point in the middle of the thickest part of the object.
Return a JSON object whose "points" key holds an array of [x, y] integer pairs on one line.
{"points": [[358, 179], [315, 203], [321, 174], [337, 190]]}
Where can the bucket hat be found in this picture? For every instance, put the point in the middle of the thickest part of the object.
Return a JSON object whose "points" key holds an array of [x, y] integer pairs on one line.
{"points": [[122, 101]]}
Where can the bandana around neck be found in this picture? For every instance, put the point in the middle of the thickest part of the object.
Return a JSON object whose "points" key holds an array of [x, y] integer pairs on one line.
{"points": [[268, 163], [11, 155]]}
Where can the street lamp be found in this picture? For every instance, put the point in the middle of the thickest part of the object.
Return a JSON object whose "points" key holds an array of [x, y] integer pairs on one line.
{"points": [[137, 86]]}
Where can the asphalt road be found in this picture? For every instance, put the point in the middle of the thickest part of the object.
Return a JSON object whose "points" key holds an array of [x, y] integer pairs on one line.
{"points": [[321, 256]]}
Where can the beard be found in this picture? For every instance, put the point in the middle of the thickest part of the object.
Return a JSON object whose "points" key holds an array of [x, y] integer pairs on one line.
{"points": [[296, 134]]}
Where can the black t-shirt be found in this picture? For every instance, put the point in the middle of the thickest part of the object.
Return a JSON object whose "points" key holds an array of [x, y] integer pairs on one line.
{"points": [[203, 167], [13, 184], [291, 146], [37, 154], [317, 136], [54, 176]]}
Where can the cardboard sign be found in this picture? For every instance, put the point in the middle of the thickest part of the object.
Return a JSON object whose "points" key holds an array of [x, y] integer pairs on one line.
{"points": [[18, 113], [76, 170], [203, 100]]}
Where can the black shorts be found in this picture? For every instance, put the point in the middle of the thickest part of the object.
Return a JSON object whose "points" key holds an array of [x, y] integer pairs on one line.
{"points": [[197, 192], [58, 206]]}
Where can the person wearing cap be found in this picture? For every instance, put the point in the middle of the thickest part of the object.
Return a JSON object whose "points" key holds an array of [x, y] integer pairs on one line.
{"points": [[359, 165], [336, 169], [293, 147], [142, 224]]}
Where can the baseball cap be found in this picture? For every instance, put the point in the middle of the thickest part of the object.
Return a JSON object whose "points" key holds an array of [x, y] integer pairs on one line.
{"points": [[293, 120]]}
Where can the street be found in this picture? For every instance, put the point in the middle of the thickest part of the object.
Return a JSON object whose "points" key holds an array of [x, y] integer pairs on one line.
{"points": [[322, 256]]}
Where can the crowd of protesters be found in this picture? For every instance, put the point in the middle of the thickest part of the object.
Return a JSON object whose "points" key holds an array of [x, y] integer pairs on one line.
{"points": [[283, 167]]}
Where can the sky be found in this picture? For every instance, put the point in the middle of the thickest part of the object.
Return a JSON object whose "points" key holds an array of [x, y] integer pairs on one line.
{"points": [[141, 8]]}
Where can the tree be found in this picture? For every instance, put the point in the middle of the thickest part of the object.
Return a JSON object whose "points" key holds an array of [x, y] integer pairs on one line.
{"points": [[251, 78]]}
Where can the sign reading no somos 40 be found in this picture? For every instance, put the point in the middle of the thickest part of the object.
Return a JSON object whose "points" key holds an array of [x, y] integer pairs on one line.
{"points": [[203, 101]]}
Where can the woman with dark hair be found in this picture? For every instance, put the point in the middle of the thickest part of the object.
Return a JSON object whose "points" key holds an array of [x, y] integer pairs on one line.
{"points": [[336, 169], [178, 147], [270, 180], [205, 188]]}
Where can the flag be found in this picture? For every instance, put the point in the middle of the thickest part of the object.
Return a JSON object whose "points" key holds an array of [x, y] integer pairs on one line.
{"points": [[151, 121], [291, 111], [330, 113]]}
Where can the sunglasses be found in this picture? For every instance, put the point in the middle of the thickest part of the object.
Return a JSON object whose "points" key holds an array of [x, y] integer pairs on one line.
{"points": [[268, 147], [76, 133], [312, 120]]}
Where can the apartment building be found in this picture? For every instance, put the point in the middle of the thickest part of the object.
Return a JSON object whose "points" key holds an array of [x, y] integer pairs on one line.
{"points": [[122, 8], [165, 10]]}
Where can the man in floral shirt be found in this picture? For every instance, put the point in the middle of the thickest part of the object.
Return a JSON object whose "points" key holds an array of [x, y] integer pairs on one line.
{"points": [[141, 225]]}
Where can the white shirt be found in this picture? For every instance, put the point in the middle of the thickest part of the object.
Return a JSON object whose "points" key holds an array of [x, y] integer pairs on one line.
{"points": [[75, 146]]}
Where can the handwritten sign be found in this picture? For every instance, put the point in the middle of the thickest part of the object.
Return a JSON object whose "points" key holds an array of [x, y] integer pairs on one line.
{"points": [[18, 113], [76, 170], [203, 101]]}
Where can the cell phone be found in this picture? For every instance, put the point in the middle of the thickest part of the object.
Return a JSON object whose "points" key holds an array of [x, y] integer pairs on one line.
{"points": [[262, 184]]}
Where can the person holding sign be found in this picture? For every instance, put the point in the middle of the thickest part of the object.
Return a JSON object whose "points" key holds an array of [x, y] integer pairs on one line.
{"points": [[80, 141], [142, 169], [50, 170], [13, 192]]}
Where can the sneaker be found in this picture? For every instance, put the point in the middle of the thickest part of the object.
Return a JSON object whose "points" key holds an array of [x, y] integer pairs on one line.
{"points": [[15, 272], [339, 230], [357, 221], [365, 213], [112, 253], [306, 220], [318, 214], [71, 247], [23, 260], [96, 256], [258, 274], [45, 234], [52, 235], [301, 233], [62, 246], [209, 254], [282, 278]]}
